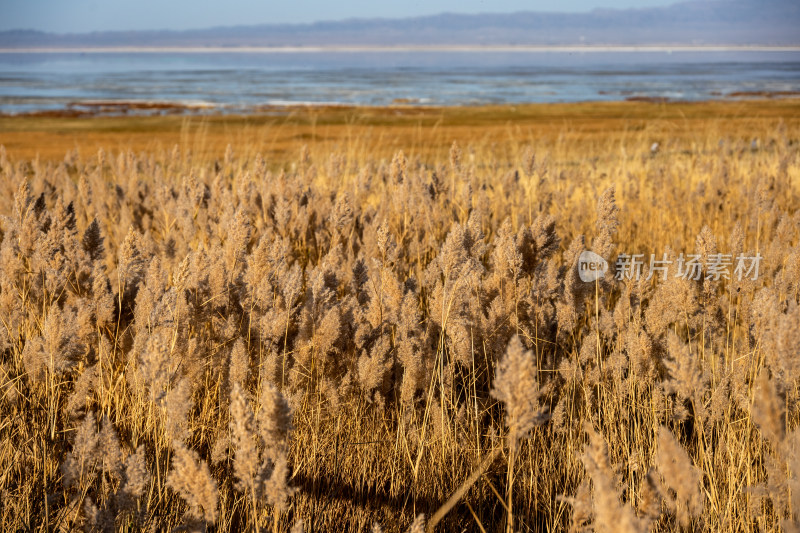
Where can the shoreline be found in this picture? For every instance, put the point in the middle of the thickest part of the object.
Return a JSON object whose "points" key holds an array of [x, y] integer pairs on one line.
{"points": [[166, 108], [664, 48]]}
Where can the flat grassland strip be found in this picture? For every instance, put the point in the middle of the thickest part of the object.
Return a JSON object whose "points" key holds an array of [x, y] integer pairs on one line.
{"points": [[418, 131]]}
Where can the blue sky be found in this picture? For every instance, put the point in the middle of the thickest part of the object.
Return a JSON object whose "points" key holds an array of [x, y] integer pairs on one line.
{"points": [[66, 16]]}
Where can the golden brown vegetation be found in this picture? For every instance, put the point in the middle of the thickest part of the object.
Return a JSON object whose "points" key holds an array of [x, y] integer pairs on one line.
{"points": [[340, 340], [562, 130]]}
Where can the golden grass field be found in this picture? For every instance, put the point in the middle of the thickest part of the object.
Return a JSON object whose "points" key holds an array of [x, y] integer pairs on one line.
{"points": [[599, 129], [372, 319]]}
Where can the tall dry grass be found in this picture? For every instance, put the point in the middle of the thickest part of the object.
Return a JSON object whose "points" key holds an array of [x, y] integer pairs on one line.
{"points": [[354, 344]]}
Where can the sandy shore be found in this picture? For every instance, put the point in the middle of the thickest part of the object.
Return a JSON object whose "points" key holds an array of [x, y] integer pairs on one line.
{"points": [[408, 48]]}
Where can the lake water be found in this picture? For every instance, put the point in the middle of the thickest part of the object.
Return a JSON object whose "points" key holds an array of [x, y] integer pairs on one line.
{"points": [[244, 81]]}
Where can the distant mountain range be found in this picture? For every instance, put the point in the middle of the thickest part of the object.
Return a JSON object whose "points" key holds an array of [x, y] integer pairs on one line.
{"points": [[698, 22]]}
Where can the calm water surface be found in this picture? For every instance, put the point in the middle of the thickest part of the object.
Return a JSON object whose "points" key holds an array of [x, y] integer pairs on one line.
{"points": [[242, 81]]}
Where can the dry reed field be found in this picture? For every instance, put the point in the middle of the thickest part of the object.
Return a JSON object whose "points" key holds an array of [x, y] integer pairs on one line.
{"points": [[378, 329]]}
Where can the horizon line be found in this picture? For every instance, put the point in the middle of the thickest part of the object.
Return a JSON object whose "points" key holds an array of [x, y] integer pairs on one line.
{"points": [[666, 48]]}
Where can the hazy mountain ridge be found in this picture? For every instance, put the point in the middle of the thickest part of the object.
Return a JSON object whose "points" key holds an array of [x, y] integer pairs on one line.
{"points": [[714, 22]]}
